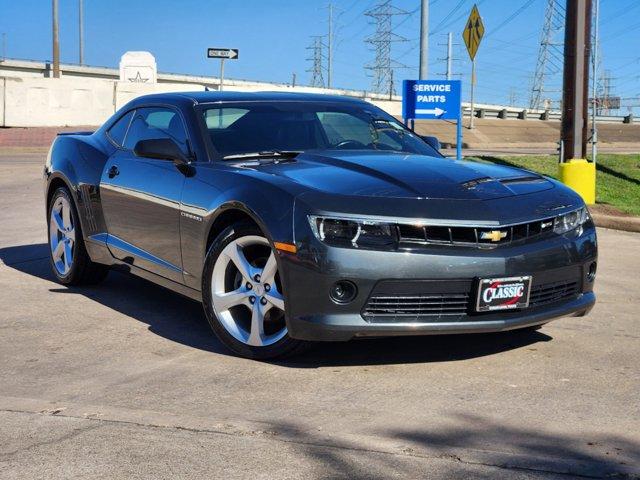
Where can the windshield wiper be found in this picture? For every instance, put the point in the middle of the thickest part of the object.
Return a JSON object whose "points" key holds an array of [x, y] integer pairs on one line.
{"points": [[275, 154]]}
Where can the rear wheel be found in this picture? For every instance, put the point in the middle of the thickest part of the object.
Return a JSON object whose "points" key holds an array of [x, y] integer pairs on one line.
{"points": [[243, 295], [69, 259]]}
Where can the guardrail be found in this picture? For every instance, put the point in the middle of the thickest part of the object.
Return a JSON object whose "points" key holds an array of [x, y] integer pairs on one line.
{"points": [[493, 111]]}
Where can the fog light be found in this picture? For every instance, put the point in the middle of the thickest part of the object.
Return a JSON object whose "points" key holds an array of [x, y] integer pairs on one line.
{"points": [[591, 276], [343, 291]]}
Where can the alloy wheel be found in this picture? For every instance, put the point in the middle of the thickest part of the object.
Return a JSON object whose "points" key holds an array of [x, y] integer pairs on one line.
{"points": [[246, 292], [62, 235]]}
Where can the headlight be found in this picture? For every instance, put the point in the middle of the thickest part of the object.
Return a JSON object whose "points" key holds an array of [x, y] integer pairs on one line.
{"points": [[569, 221], [353, 233]]}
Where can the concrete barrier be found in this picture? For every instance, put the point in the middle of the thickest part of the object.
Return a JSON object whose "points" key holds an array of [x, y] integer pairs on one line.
{"points": [[2, 88], [61, 102], [42, 102]]}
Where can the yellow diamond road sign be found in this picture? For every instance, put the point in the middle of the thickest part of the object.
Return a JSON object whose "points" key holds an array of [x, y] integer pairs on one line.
{"points": [[473, 32]]}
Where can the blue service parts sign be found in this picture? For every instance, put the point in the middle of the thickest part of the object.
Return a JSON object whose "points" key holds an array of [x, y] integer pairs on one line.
{"points": [[431, 99]]}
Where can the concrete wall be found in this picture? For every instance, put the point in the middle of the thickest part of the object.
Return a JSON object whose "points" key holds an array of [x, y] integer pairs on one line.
{"points": [[59, 102], [74, 101], [2, 88]]}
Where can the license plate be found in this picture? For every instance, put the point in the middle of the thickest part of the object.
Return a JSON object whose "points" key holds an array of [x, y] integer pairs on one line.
{"points": [[503, 293]]}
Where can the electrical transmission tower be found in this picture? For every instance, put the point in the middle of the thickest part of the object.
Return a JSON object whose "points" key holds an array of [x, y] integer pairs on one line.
{"points": [[383, 65], [550, 54], [317, 57]]}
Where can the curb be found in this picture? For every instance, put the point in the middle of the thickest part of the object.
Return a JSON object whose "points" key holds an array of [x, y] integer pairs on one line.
{"points": [[627, 224]]}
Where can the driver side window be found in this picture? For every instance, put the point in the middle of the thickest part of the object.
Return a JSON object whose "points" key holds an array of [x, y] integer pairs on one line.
{"points": [[340, 127], [156, 122]]}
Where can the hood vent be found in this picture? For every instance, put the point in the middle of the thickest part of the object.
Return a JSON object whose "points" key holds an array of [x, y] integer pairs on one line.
{"points": [[475, 182], [523, 179]]}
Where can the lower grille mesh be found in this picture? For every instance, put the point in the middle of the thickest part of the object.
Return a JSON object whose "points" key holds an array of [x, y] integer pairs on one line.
{"points": [[384, 307], [404, 302], [552, 292]]}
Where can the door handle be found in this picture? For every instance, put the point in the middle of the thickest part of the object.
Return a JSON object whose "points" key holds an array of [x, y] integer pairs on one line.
{"points": [[113, 171]]}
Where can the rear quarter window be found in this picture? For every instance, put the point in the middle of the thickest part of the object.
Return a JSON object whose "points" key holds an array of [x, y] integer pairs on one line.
{"points": [[118, 130]]}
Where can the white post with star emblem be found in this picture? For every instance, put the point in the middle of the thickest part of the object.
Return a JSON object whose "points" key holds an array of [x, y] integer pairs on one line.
{"points": [[138, 67]]}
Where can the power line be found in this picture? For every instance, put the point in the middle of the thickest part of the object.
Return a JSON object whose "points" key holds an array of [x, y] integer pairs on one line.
{"points": [[449, 15], [510, 18]]}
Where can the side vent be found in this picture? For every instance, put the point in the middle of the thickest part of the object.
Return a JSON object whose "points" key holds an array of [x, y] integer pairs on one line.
{"points": [[85, 198]]}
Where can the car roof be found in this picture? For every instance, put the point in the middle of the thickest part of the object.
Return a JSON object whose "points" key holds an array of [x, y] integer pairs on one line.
{"points": [[216, 96]]}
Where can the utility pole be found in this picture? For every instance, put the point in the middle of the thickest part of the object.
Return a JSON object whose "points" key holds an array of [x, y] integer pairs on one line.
{"points": [[293, 79], [56, 42], [424, 40], [4, 46], [575, 112], [330, 47], [512, 97], [448, 58], [575, 171], [81, 31], [449, 54], [594, 87]]}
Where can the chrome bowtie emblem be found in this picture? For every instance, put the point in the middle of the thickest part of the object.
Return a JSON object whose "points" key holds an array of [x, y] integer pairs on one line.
{"points": [[493, 235]]}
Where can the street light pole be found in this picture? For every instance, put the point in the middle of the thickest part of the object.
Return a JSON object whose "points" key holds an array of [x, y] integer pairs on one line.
{"points": [[424, 40], [56, 42], [81, 31]]}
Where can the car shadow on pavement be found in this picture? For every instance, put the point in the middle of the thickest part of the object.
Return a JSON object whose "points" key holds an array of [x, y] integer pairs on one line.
{"points": [[182, 320], [475, 445]]}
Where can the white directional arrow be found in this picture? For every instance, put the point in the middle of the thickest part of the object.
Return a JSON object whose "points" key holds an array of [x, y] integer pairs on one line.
{"points": [[226, 53], [430, 111]]}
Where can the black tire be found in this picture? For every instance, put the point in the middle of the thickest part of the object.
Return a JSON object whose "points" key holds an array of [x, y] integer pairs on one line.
{"points": [[83, 271], [284, 347]]}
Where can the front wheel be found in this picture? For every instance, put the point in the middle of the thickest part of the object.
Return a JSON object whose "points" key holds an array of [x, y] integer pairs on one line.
{"points": [[243, 295]]}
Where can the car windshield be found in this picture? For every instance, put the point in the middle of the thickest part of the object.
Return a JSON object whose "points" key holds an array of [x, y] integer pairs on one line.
{"points": [[251, 127]]}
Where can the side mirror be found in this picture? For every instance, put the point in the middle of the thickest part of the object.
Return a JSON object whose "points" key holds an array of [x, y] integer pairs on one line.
{"points": [[161, 149], [433, 142]]}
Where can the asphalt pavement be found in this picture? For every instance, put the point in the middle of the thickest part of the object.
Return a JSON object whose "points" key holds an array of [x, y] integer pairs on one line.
{"points": [[124, 380]]}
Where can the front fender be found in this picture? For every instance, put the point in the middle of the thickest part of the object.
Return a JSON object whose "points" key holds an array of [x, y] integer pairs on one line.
{"points": [[208, 198]]}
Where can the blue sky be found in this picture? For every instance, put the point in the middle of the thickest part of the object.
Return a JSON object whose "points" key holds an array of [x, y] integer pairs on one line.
{"points": [[272, 36]]}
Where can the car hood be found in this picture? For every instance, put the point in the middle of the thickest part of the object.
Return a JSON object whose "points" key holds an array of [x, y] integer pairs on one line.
{"points": [[400, 175]]}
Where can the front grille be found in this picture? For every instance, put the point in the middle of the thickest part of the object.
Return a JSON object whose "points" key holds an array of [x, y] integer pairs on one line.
{"points": [[474, 236], [393, 301], [407, 308], [552, 292]]}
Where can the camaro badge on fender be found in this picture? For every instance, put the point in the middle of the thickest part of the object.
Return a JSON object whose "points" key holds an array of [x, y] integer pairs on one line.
{"points": [[191, 216]]}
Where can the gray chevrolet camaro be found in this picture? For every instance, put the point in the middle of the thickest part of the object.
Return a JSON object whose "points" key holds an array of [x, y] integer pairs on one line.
{"points": [[297, 218]]}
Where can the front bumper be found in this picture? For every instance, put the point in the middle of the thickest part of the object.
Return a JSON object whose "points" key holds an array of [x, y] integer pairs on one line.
{"points": [[309, 275]]}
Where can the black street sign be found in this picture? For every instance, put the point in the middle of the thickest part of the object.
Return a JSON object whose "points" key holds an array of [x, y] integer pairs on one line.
{"points": [[226, 53]]}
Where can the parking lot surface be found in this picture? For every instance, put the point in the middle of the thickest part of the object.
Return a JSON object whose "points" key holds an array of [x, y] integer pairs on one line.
{"points": [[124, 379]]}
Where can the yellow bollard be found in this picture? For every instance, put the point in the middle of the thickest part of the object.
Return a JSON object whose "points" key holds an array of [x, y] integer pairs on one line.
{"points": [[580, 175]]}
